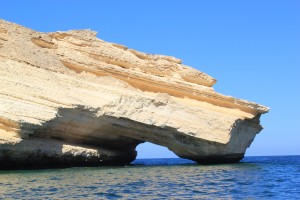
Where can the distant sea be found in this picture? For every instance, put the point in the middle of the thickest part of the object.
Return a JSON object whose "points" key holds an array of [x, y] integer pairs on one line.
{"points": [[272, 177]]}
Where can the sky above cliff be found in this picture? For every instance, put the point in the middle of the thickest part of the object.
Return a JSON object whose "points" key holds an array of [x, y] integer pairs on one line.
{"points": [[251, 47]]}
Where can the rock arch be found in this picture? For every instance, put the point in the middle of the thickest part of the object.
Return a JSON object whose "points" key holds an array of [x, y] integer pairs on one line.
{"points": [[78, 137], [69, 99]]}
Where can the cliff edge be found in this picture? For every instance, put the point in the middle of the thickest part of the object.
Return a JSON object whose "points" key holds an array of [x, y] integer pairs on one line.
{"points": [[71, 99]]}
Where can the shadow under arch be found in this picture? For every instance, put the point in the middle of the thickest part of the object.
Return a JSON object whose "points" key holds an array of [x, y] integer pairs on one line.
{"points": [[78, 137]]}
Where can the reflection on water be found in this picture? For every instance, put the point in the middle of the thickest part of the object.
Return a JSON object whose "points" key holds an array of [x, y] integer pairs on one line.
{"points": [[256, 177]]}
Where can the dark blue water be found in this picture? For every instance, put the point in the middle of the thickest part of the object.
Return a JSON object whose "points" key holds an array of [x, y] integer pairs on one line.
{"points": [[255, 178]]}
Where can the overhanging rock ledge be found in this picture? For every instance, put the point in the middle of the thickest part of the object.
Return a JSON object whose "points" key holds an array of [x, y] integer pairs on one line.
{"points": [[71, 99]]}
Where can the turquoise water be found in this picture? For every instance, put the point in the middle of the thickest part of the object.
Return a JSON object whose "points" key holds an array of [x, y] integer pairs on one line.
{"points": [[254, 178]]}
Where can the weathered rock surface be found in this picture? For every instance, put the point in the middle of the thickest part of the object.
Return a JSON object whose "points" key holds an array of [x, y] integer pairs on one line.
{"points": [[71, 99]]}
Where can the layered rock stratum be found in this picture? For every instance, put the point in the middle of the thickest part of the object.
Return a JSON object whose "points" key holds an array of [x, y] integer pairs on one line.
{"points": [[71, 99]]}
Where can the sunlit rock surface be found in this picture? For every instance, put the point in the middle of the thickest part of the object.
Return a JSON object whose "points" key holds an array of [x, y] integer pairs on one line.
{"points": [[71, 99]]}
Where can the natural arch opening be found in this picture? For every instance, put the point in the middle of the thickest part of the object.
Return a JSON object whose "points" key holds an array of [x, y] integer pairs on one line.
{"points": [[149, 150]]}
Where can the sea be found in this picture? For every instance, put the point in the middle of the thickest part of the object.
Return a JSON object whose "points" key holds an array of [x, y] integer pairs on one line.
{"points": [[268, 177]]}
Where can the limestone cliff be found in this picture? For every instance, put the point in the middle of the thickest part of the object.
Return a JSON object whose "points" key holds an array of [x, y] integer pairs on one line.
{"points": [[71, 99]]}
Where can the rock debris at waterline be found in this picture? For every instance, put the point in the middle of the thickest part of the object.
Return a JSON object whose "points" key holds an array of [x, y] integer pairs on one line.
{"points": [[71, 99]]}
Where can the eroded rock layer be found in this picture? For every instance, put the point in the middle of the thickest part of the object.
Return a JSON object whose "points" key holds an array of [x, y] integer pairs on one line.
{"points": [[71, 99]]}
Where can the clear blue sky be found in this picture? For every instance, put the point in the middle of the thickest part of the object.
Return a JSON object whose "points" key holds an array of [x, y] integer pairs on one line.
{"points": [[251, 46]]}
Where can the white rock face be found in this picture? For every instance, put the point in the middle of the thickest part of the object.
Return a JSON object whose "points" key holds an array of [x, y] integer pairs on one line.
{"points": [[69, 99]]}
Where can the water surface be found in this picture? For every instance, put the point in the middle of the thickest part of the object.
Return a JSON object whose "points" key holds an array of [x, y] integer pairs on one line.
{"points": [[254, 178]]}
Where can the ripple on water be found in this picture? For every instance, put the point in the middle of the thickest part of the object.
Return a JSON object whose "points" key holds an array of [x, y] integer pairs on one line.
{"points": [[256, 178]]}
